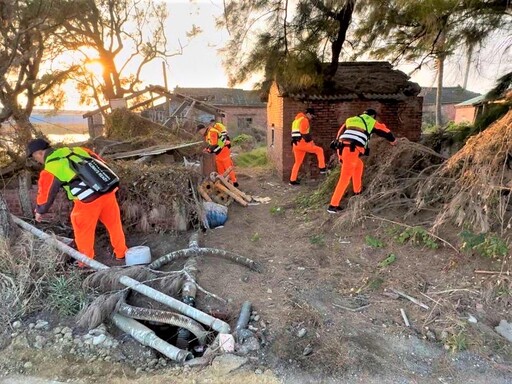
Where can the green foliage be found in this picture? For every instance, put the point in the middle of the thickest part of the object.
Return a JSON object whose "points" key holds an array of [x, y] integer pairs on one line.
{"points": [[65, 294], [245, 141], [417, 236], [492, 113], [373, 242], [317, 240], [255, 158], [277, 211], [322, 194], [387, 261], [457, 342], [255, 237], [487, 245]]}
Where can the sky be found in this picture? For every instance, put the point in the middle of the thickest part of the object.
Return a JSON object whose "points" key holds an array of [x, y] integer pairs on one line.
{"points": [[200, 65]]}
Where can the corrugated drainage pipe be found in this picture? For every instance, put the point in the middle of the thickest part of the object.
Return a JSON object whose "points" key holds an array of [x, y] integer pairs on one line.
{"points": [[147, 337], [215, 324], [165, 317]]}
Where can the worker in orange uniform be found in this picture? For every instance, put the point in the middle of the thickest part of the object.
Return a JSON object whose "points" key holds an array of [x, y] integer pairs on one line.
{"points": [[302, 143], [89, 206], [351, 143], [218, 142]]}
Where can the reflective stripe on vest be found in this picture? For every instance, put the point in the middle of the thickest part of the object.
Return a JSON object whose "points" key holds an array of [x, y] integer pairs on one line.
{"points": [[296, 128], [57, 163], [362, 127]]}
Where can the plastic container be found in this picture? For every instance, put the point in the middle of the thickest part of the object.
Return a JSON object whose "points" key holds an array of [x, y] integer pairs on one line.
{"points": [[140, 254], [215, 214]]}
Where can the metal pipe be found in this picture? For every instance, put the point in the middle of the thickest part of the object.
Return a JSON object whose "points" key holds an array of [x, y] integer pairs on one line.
{"points": [[243, 318], [215, 324], [147, 337]]}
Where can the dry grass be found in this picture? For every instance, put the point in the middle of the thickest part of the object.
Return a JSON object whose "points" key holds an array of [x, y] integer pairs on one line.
{"points": [[28, 269]]}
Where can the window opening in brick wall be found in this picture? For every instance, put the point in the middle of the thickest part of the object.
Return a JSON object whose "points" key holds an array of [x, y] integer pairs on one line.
{"points": [[244, 122], [272, 136]]}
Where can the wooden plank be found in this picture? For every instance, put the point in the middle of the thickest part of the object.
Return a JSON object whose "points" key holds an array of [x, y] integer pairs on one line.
{"points": [[151, 151]]}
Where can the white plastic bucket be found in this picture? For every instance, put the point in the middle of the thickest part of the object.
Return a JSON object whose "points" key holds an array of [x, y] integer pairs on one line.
{"points": [[140, 254]]}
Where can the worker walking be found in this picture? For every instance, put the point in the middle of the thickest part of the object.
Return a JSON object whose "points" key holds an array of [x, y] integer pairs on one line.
{"points": [[218, 142], [89, 184], [303, 143], [351, 143]]}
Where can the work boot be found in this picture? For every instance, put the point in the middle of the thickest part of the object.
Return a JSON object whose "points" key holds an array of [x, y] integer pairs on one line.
{"points": [[333, 209], [296, 182], [323, 171]]}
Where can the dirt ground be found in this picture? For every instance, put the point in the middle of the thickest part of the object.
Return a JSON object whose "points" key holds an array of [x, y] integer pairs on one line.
{"points": [[326, 311]]}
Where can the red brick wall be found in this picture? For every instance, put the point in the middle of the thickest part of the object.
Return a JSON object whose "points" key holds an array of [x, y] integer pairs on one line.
{"points": [[59, 211], [403, 118]]}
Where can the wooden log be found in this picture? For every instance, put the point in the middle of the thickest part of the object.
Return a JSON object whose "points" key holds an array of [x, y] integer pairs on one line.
{"points": [[415, 301], [227, 172], [237, 198], [203, 193], [220, 197], [234, 189]]}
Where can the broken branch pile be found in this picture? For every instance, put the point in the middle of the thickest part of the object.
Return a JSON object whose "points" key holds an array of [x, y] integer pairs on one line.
{"points": [[156, 197]]}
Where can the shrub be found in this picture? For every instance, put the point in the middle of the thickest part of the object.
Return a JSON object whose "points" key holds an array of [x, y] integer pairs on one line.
{"points": [[244, 141], [487, 245], [255, 158]]}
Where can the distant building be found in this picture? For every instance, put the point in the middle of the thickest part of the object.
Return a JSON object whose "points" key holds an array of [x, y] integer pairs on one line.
{"points": [[469, 110], [243, 109], [450, 97], [356, 87]]}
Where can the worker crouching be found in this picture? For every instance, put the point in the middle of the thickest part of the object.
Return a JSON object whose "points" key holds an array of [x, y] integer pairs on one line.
{"points": [[351, 143], [89, 184]]}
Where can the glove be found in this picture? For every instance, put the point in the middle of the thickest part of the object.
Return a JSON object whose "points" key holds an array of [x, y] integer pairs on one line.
{"points": [[334, 145], [307, 137], [295, 141]]}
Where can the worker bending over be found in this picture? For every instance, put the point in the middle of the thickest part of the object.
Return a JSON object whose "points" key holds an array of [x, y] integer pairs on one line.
{"points": [[302, 143], [351, 143], [219, 144], [92, 200]]}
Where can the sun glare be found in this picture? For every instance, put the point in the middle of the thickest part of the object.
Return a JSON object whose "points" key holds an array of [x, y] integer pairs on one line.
{"points": [[95, 68]]}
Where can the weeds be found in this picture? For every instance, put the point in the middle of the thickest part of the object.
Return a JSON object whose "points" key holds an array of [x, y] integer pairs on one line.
{"points": [[256, 237], [317, 240], [276, 211], [457, 342], [417, 236], [66, 295], [26, 268], [255, 158], [487, 245], [373, 242]]}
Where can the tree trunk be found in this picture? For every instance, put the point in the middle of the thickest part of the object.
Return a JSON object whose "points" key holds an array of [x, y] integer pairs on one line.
{"points": [[439, 93], [6, 224], [24, 184], [469, 56], [344, 17]]}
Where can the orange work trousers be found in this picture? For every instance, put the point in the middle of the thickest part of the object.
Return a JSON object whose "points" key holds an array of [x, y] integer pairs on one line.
{"points": [[299, 152], [223, 162], [351, 169], [84, 219]]}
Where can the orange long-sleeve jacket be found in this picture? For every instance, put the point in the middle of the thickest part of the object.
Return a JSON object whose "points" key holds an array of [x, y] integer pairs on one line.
{"points": [[48, 186]]}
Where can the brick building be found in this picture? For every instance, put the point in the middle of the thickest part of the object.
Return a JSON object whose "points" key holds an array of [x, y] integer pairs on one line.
{"points": [[243, 109], [450, 97], [356, 87]]}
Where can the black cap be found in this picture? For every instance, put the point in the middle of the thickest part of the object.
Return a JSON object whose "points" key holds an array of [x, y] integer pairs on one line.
{"points": [[370, 112], [200, 126], [36, 145], [311, 111]]}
